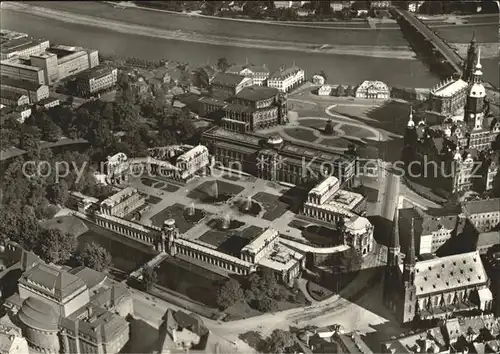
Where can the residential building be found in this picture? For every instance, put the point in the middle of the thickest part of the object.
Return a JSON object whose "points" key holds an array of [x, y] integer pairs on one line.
{"points": [[139, 87], [318, 80], [384, 4], [20, 113], [277, 159], [373, 90], [259, 74], [286, 79], [254, 108], [34, 91], [431, 231], [48, 102], [12, 341], [123, 203], [456, 335], [22, 47], [352, 343], [181, 332], [95, 80], [13, 98], [72, 60], [483, 214], [13, 68], [288, 4], [433, 288], [325, 90], [225, 84]]}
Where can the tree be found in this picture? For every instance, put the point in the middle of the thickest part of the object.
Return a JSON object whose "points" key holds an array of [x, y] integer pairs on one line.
{"points": [[59, 192], [223, 64], [55, 246], [94, 256], [265, 304], [268, 281], [149, 278], [340, 91], [329, 128], [229, 293], [322, 73], [279, 341], [349, 91]]}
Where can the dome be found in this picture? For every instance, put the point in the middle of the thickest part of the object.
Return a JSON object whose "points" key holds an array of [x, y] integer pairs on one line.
{"points": [[37, 314], [275, 140], [477, 90], [169, 222]]}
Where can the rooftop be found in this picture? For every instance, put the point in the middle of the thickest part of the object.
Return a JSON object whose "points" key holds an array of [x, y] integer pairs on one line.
{"points": [[10, 95], [120, 196], [53, 282], [23, 84], [195, 151], [449, 88], [38, 314], [257, 93], [282, 74], [378, 85], [418, 343], [448, 273], [264, 238], [353, 343], [482, 206], [226, 79], [18, 44], [95, 72], [14, 62]]}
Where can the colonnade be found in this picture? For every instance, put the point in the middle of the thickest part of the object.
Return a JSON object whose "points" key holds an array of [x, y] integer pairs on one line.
{"points": [[146, 236]]}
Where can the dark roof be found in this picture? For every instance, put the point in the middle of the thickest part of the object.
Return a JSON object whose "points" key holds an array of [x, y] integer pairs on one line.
{"points": [[226, 79], [95, 72], [89, 276], [18, 44], [284, 73], [23, 84], [38, 314], [51, 281], [482, 206], [10, 95], [257, 93]]}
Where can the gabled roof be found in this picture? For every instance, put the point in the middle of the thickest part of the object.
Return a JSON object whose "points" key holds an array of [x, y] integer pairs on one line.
{"points": [[481, 206], [285, 73], [51, 281], [226, 79]]}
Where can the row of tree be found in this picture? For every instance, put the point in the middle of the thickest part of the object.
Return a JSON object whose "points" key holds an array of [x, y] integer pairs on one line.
{"points": [[260, 290]]}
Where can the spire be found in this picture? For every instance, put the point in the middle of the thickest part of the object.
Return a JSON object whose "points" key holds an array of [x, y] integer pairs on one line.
{"points": [[478, 65], [410, 255], [395, 229], [473, 40], [411, 123]]}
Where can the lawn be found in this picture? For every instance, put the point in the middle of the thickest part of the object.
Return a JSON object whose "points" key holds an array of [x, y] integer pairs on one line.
{"points": [[272, 204], [176, 212], [335, 142], [170, 188], [210, 188], [313, 123], [153, 200], [301, 134], [356, 131], [148, 181], [67, 224]]}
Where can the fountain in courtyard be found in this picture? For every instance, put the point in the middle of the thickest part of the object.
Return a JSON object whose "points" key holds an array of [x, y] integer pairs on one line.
{"points": [[226, 221], [216, 190], [190, 209], [214, 195], [192, 214], [247, 204]]}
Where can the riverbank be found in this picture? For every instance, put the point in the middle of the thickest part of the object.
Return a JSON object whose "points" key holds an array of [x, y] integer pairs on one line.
{"points": [[379, 51]]}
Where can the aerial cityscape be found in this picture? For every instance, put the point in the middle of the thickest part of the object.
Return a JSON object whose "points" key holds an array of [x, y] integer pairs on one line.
{"points": [[250, 177]]}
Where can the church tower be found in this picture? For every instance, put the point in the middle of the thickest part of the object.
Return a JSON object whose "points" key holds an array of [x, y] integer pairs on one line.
{"points": [[470, 61], [474, 110], [391, 277], [410, 140], [409, 298]]}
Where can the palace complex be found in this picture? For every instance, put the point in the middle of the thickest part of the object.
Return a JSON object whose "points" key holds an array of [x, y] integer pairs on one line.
{"points": [[462, 140]]}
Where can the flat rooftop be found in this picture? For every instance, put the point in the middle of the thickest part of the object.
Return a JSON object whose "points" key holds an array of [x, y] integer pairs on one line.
{"points": [[17, 64], [17, 44], [265, 237], [17, 83]]}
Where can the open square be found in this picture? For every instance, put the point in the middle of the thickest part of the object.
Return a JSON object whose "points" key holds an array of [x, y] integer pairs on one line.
{"points": [[214, 190], [176, 212]]}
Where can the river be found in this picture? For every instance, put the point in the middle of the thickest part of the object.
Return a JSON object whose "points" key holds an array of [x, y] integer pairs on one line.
{"points": [[346, 69]]}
